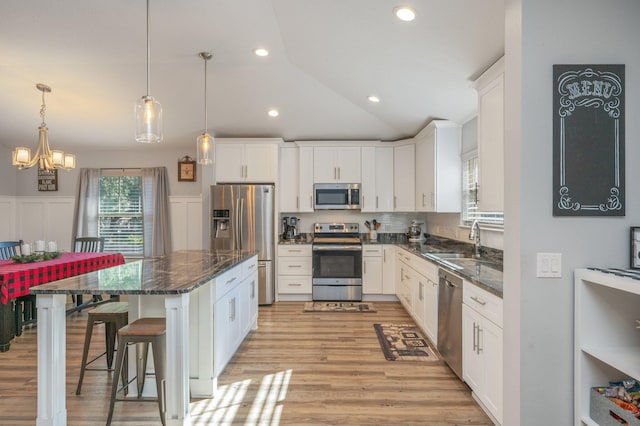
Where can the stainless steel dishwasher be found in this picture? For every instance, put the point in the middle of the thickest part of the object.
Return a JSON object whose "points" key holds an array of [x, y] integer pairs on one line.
{"points": [[450, 320]]}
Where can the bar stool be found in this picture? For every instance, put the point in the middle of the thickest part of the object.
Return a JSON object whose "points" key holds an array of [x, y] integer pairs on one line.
{"points": [[114, 315], [143, 331]]}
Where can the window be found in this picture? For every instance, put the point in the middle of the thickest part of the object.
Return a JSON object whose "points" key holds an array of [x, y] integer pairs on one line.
{"points": [[120, 211], [470, 210]]}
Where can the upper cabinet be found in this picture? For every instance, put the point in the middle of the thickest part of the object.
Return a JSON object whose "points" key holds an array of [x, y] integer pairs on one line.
{"points": [[490, 87], [438, 168], [250, 161], [377, 179], [404, 177], [305, 173], [288, 182], [336, 164]]}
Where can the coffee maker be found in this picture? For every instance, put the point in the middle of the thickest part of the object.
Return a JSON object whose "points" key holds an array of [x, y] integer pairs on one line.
{"points": [[290, 228]]}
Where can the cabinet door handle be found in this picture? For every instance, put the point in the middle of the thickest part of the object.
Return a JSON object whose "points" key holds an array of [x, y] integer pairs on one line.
{"points": [[294, 266], [338, 173], [479, 345], [475, 338], [480, 301], [422, 199], [294, 251], [394, 201], [253, 289], [231, 280], [310, 201], [376, 201], [384, 256], [401, 274], [421, 290], [294, 284], [297, 202]]}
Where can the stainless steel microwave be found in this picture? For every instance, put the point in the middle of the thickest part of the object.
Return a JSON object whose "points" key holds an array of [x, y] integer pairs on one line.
{"points": [[336, 196]]}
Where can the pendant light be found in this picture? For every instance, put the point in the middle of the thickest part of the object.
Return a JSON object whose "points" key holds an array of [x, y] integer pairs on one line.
{"points": [[205, 140], [44, 157], [148, 111]]}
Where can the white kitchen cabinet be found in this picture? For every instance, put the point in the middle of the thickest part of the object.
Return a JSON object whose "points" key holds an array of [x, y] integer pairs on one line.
{"points": [[482, 346], [438, 168], [490, 88], [388, 269], [246, 162], [404, 178], [607, 343], [372, 269], [403, 281], [377, 179], [305, 184], [288, 182], [336, 164], [294, 269]]}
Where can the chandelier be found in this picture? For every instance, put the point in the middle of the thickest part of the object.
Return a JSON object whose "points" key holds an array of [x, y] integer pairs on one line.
{"points": [[148, 111], [44, 156], [205, 140]]}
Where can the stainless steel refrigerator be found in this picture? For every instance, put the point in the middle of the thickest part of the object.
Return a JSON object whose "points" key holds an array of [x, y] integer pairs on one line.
{"points": [[242, 219]]}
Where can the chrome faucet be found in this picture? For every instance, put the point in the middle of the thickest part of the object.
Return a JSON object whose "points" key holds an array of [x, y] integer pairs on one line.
{"points": [[474, 234]]}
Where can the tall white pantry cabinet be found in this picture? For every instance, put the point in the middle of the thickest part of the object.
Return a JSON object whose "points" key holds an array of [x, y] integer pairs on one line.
{"points": [[607, 342]]}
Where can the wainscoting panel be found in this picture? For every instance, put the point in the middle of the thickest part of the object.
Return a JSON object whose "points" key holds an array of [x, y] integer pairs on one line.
{"points": [[8, 225], [186, 222], [45, 218]]}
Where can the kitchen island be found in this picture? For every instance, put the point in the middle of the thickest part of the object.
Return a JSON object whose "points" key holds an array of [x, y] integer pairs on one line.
{"points": [[211, 277]]}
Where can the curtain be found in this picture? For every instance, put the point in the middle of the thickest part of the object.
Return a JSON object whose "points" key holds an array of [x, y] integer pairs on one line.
{"points": [[155, 210], [85, 219]]}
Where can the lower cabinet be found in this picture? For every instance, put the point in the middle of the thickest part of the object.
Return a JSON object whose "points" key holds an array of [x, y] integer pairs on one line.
{"points": [[482, 347], [372, 269], [417, 289], [294, 269]]}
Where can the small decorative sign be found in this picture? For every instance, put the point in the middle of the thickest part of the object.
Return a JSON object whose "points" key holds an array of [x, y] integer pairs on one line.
{"points": [[47, 180], [588, 140], [186, 169]]}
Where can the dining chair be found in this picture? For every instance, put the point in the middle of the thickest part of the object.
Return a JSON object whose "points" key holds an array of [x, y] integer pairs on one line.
{"points": [[8, 249], [88, 244]]}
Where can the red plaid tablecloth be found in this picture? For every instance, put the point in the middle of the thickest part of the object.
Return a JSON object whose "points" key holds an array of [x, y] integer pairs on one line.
{"points": [[17, 278]]}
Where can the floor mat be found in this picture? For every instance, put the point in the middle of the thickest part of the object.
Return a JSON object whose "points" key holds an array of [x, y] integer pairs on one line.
{"points": [[338, 307], [403, 342]]}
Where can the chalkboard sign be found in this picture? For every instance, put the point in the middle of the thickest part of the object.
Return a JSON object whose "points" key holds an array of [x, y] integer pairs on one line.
{"points": [[47, 180], [588, 140]]}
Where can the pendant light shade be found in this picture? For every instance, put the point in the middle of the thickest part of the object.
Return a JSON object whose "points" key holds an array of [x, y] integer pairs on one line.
{"points": [[205, 140], [148, 111]]}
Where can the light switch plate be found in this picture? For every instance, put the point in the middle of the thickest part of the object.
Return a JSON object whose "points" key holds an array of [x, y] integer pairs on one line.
{"points": [[549, 265]]}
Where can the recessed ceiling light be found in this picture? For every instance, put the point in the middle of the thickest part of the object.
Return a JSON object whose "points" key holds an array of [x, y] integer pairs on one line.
{"points": [[373, 99], [273, 113], [405, 13], [260, 51]]}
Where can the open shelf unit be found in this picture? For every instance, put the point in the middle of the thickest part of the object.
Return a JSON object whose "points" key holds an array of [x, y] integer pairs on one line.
{"points": [[607, 343]]}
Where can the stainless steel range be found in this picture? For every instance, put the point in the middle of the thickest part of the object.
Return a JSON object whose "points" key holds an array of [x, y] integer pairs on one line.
{"points": [[337, 262]]}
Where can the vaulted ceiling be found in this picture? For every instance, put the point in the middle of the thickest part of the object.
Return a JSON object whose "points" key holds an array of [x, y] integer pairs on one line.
{"points": [[326, 57]]}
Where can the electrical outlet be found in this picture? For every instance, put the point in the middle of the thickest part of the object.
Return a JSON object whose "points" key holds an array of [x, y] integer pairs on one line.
{"points": [[549, 265]]}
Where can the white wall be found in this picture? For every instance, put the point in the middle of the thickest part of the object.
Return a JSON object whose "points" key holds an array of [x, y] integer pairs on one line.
{"points": [[539, 312], [7, 173], [25, 181]]}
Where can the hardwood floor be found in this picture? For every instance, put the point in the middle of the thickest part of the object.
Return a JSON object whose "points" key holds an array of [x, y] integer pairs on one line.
{"points": [[296, 369]]}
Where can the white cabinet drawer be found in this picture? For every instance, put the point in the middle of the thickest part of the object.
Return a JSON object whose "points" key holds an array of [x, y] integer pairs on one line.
{"points": [[487, 304], [294, 266], [294, 250], [372, 250], [227, 281], [294, 284], [249, 267]]}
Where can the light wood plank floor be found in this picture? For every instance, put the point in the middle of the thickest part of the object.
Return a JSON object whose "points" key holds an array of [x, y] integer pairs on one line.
{"points": [[296, 369]]}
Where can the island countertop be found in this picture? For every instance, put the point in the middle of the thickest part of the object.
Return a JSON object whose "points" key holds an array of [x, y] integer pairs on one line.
{"points": [[178, 272]]}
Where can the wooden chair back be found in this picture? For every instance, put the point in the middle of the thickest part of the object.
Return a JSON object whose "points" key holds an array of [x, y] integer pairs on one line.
{"points": [[88, 244], [8, 249]]}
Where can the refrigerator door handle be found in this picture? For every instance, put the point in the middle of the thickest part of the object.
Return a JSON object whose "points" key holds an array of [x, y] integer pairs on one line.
{"points": [[240, 227], [236, 233]]}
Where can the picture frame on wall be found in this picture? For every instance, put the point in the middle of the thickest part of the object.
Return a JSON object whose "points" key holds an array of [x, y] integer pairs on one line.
{"points": [[47, 179], [186, 169]]}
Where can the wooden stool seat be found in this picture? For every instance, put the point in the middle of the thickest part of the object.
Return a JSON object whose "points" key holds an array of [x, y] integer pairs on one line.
{"points": [[141, 331], [114, 315]]}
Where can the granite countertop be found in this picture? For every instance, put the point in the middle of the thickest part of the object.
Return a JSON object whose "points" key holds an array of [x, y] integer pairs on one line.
{"points": [[178, 272], [485, 272]]}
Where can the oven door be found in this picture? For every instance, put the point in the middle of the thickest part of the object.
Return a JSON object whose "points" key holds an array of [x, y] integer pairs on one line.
{"points": [[337, 272]]}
